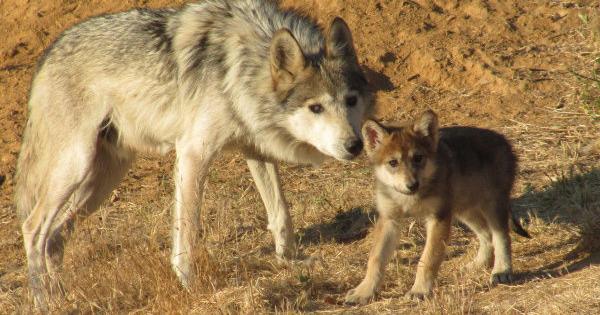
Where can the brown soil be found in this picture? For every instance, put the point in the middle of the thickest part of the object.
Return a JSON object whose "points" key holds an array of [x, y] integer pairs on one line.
{"points": [[529, 69]]}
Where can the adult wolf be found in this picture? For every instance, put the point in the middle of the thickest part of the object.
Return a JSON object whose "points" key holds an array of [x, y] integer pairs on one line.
{"points": [[242, 74]]}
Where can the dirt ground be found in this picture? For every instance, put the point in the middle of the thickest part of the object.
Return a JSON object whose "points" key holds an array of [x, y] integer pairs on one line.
{"points": [[529, 69]]}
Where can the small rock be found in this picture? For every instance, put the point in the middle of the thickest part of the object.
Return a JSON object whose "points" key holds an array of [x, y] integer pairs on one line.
{"points": [[388, 57], [428, 26], [437, 9]]}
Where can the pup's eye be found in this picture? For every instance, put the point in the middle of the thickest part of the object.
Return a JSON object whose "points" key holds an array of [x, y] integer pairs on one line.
{"points": [[316, 108], [417, 158], [351, 101], [393, 163]]}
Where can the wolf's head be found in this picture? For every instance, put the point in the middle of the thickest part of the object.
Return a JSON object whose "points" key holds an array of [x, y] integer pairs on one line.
{"points": [[403, 157], [326, 98]]}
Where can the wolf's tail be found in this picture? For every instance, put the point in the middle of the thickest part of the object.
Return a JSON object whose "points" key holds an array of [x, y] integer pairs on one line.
{"points": [[26, 177], [516, 226]]}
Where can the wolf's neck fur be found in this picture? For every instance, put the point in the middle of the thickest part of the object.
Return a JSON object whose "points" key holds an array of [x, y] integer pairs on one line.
{"points": [[234, 53], [235, 48]]}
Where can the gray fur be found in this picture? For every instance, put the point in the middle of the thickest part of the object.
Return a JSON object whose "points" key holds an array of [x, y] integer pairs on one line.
{"points": [[196, 80]]}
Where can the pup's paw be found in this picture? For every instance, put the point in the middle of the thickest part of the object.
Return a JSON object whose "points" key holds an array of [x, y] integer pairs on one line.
{"points": [[359, 296], [501, 278]]}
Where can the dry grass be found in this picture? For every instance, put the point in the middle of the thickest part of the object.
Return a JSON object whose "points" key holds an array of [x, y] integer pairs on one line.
{"points": [[118, 259]]}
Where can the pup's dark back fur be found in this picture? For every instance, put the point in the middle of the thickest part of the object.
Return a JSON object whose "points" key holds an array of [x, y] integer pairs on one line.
{"points": [[473, 150]]}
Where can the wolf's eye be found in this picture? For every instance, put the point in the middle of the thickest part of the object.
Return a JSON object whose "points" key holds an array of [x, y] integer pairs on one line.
{"points": [[316, 108], [393, 163], [417, 158], [351, 101]]}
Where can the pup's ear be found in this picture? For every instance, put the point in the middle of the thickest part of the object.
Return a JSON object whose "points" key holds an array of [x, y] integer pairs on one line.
{"points": [[373, 134], [339, 42], [287, 58], [427, 126]]}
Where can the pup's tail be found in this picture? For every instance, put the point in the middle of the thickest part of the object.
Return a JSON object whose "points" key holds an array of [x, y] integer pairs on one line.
{"points": [[516, 226]]}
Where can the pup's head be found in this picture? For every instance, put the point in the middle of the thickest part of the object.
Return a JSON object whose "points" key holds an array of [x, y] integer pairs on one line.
{"points": [[324, 96], [403, 157]]}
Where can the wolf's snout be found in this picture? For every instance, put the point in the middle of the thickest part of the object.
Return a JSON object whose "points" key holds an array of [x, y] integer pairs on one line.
{"points": [[412, 187], [353, 146]]}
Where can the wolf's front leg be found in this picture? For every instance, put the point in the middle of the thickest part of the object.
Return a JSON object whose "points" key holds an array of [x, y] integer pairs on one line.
{"points": [[438, 233], [386, 238], [190, 173], [267, 182]]}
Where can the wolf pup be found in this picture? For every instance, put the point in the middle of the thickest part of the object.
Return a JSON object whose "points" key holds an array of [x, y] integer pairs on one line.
{"points": [[242, 74], [461, 172]]}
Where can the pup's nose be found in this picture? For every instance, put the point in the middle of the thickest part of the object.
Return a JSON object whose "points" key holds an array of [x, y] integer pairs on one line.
{"points": [[413, 186], [354, 146]]}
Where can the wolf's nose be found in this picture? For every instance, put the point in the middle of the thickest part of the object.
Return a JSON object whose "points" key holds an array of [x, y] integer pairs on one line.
{"points": [[413, 186], [354, 146]]}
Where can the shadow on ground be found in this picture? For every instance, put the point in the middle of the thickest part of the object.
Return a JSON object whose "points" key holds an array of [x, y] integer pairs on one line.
{"points": [[571, 198], [378, 81], [345, 227]]}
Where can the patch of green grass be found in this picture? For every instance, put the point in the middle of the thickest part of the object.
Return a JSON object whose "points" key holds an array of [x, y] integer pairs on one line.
{"points": [[585, 19]]}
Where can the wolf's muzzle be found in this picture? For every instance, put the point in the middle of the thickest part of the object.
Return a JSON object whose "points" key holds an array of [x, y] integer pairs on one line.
{"points": [[353, 146]]}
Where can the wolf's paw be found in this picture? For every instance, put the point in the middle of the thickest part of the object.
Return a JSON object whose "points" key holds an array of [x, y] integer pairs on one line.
{"points": [[416, 295], [359, 296], [474, 265], [501, 278], [283, 259], [287, 251], [288, 255]]}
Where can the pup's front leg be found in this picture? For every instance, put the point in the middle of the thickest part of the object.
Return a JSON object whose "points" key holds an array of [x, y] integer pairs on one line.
{"points": [[386, 238], [438, 233], [267, 182]]}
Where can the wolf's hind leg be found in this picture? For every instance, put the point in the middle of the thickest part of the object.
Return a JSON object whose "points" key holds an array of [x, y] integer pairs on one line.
{"points": [[35, 239], [267, 182], [66, 173], [105, 173]]}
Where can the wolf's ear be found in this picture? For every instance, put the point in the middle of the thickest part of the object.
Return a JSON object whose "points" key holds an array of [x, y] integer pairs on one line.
{"points": [[427, 125], [373, 134], [339, 41], [287, 58]]}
